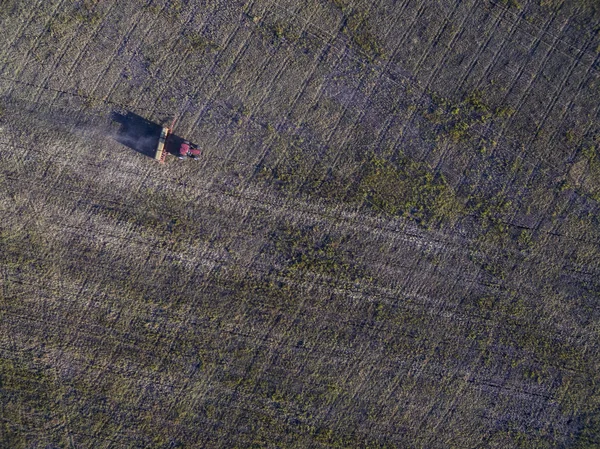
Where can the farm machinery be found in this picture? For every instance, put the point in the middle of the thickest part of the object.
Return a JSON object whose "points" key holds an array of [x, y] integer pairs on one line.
{"points": [[186, 149], [161, 153]]}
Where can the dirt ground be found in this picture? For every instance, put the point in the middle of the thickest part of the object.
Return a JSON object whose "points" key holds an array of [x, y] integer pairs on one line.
{"points": [[391, 238]]}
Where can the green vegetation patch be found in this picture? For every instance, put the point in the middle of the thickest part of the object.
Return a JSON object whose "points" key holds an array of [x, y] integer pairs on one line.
{"points": [[512, 4], [307, 248], [356, 25], [455, 120], [274, 31], [195, 41], [404, 187], [79, 13], [409, 188]]}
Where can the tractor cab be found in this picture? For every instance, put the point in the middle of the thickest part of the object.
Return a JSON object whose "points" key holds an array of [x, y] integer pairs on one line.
{"points": [[188, 150], [167, 144], [194, 152], [184, 149]]}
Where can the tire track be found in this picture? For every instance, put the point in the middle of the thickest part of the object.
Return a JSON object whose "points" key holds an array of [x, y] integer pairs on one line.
{"points": [[262, 98], [519, 18], [419, 63], [20, 31]]}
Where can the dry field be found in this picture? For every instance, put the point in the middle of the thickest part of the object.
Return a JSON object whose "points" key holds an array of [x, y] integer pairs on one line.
{"points": [[391, 240]]}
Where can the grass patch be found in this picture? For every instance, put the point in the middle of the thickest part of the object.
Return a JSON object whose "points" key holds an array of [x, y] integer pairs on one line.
{"points": [[307, 249], [405, 187], [409, 188], [512, 4], [455, 120], [356, 26], [195, 41], [83, 13]]}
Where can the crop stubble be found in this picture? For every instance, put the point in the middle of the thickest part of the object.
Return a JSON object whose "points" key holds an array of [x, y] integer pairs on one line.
{"points": [[243, 301]]}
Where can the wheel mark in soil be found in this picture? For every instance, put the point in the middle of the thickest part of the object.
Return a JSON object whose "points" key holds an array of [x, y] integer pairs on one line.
{"points": [[324, 145], [234, 145], [209, 72], [35, 44], [210, 98], [345, 109], [178, 66], [93, 199], [77, 59], [280, 70], [20, 30], [410, 380], [266, 337], [26, 58], [424, 98], [350, 56], [537, 40], [440, 31], [325, 49], [112, 58], [568, 106], [480, 51], [315, 101], [524, 96], [212, 272], [382, 75], [151, 80], [128, 35], [142, 241], [526, 90], [64, 49], [26, 23], [552, 46], [517, 154], [520, 18], [205, 285], [495, 57], [589, 129]]}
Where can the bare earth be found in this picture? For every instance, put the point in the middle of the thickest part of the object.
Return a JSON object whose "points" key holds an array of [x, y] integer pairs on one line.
{"points": [[391, 239]]}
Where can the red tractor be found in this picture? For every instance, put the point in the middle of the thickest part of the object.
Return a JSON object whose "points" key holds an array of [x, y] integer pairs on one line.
{"points": [[188, 150]]}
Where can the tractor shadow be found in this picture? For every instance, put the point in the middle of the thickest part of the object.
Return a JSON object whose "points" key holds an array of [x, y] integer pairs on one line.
{"points": [[141, 134]]}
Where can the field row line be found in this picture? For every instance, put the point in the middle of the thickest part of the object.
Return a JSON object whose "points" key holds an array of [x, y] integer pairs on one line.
{"points": [[424, 89], [519, 18], [380, 295], [284, 8], [359, 324]]}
